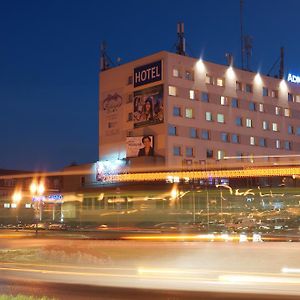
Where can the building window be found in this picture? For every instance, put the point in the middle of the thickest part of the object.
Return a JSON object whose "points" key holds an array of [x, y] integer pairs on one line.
{"points": [[238, 121], [277, 144], [208, 116], [209, 153], [262, 142], [189, 151], [176, 111], [265, 125], [252, 140], [220, 118], [220, 154], [176, 151], [234, 103], [248, 88], [209, 79], [189, 75], [252, 106], [238, 86], [204, 97], [224, 137], [274, 126], [130, 79], [290, 97], [172, 130], [290, 129], [287, 145], [235, 138], [274, 94], [172, 90], [277, 110], [261, 107], [176, 73], [249, 123], [193, 133], [205, 134], [298, 131], [189, 113], [192, 94], [265, 92], [287, 112], [223, 100], [220, 81]]}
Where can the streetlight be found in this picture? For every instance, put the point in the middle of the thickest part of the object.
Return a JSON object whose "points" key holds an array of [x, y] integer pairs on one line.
{"points": [[16, 198]]}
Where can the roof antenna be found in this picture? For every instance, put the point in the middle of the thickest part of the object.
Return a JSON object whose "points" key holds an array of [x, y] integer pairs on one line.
{"points": [[180, 46], [279, 60], [242, 34], [105, 61]]}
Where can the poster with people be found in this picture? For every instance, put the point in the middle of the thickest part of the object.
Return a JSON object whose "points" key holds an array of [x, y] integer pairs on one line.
{"points": [[148, 106], [139, 146]]}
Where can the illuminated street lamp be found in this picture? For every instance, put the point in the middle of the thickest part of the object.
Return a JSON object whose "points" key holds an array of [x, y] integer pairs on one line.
{"points": [[37, 190], [16, 198]]}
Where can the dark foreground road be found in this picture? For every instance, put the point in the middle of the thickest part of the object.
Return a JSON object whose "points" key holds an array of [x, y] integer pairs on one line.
{"points": [[79, 292]]}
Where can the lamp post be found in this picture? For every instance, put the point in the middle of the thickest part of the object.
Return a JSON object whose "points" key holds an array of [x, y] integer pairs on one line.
{"points": [[37, 190], [16, 198]]}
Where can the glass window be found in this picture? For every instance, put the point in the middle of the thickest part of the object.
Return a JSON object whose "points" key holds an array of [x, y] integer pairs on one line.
{"points": [[192, 94], [290, 97], [223, 100], [265, 91], [172, 130], [193, 132], [189, 75], [208, 116], [209, 153], [234, 103], [175, 72], [277, 144], [176, 150], [238, 121], [220, 118], [235, 138], [274, 126], [262, 142], [249, 123], [189, 113], [204, 97], [238, 86], [261, 107], [290, 129], [252, 106], [252, 140], [172, 91], [224, 136], [265, 125], [287, 112], [189, 151], [298, 131], [176, 111], [277, 110], [205, 134], [248, 88], [220, 154], [274, 94], [220, 81], [287, 145], [209, 79]]}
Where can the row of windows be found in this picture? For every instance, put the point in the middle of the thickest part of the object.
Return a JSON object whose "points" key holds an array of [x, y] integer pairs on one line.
{"points": [[189, 152], [225, 101]]}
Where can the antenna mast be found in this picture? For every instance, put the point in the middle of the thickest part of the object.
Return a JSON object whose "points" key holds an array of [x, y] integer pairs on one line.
{"points": [[180, 47], [242, 34], [281, 68], [104, 59]]}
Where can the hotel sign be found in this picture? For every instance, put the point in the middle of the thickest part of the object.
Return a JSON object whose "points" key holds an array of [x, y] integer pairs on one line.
{"points": [[293, 78], [148, 73]]}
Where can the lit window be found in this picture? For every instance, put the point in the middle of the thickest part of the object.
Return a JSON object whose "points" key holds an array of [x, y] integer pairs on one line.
{"points": [[249, 123], [234, 103], [209, 79], [248, 88], [220, 118], [287, 145], [262, 142], [252, 106], [176, 150], [224, 137], [205, 134], [6, 205], [204, 97], [189, 113], [172, 130], [287, 112], [252, 140], [172, 90], [297, 98], [265, 91], [261, 107], [235, 138], [290, 129], [274, 126], [220, 81], [223, 100], [220, 154], [208, 116], [239, 121], [175, 72], [176, 111], [189, 75], [192, 94], [277, 110], [238, 86], [209, 153], [277, 144], [193, 133], [13, 205], [274, 94], [265, 125], [290, 97], [189, 151], [28, 205]]}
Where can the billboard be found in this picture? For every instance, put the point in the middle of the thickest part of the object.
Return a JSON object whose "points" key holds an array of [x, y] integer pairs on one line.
{"points": [[148, 106], [147, 73], [140, 146]]}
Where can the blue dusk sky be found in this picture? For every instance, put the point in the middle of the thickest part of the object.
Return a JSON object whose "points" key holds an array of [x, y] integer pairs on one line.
{"points": [[49, 61]]}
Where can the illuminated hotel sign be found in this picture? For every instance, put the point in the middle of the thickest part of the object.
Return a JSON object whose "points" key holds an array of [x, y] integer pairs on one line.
{"points": [[147, 73], [56, 198], [293, 78]]}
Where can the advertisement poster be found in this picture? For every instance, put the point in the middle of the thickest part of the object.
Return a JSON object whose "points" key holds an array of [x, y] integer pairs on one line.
{"points": [[139, 146], [148, 106]]}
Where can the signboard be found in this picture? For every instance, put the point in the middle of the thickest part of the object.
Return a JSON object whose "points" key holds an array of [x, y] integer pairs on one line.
{"points": [[293, 78], [148, 73], [148, 106], [139, 146]]}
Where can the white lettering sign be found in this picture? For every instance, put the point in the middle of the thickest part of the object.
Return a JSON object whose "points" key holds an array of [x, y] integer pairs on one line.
{"points": [[293, 78]]}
